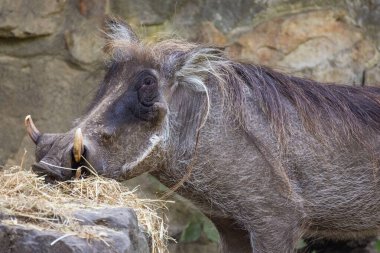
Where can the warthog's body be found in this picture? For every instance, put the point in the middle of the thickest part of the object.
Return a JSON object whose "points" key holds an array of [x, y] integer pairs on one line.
{"points": [[269, 158], [241, 174]]}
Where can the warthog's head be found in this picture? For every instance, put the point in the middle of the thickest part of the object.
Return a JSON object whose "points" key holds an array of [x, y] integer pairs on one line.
{"points": [[123, 133], [126, 130]]}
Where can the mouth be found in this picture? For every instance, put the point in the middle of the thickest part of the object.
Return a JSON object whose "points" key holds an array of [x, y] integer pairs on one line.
{"points": [[63, 157], [54, 173], [51, 172]]}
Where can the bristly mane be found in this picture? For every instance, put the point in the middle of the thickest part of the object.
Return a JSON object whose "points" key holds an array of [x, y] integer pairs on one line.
{"points": [[326, 110]]}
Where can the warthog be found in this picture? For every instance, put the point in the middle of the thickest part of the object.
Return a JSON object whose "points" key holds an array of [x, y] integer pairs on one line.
{"points": [[270, 158]]}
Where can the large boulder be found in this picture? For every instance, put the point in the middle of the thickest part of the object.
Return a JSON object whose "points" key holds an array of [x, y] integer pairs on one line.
{"points": [[114, 230], [25, 19], [322, 44]]}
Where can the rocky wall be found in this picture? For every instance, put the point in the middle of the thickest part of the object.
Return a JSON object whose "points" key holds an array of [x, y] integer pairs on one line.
{"points": [[51, 59]]}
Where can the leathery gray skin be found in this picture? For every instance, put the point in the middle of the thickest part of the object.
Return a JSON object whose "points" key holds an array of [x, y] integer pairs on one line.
{"points": [[268, 157]]}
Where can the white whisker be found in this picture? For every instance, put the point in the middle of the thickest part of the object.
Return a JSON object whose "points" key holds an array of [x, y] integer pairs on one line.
{"points": [[56, 166]]}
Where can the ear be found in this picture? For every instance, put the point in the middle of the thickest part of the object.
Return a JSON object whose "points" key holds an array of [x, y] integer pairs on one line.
{"points": [[116, 32], [193, 67]]}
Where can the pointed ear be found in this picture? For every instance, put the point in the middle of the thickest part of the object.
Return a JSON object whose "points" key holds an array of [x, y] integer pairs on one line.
{"points": [[194, 66], [116, 32]]}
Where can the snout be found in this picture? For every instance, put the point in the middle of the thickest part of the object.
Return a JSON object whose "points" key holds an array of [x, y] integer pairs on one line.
{"points": [[61, 164], [59, 155], [61, 161], [52, 172]]}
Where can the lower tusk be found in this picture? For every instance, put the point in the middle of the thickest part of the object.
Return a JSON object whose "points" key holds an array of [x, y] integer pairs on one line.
{"points": [[78, 148], [78, 173], [32, 130]]}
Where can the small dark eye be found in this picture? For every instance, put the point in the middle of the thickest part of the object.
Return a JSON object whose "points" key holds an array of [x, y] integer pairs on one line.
{"points": [[148, 80]]}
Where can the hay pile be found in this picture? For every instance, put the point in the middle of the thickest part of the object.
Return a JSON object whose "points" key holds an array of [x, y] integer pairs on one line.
{"points": [[50, 206]]}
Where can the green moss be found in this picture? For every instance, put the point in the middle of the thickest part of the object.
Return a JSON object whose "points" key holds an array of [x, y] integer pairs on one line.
{"points": [[377, 246], [197, 226]]}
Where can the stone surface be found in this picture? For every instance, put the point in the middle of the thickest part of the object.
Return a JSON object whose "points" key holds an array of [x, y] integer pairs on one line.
{"points": [[210, 34], [84, 45], [41, 84], [24, 19], [318, 44], [367, 16], [148, 12], [117, 227], [372, 76]]}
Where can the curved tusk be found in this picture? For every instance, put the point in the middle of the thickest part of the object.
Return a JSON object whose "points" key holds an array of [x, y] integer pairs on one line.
{"points": [[78, 148], [32, 130]]}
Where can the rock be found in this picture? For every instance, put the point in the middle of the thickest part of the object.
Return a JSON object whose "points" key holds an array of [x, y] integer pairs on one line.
{"points": [[117, 228], [82, 36], [367, 16], [372, 76], [118, 218], [323, 45], [211, 35], [93, 9], [147, 13], [84, 46], [227, 14], [24, 18], [24, 157], [53, 91]]}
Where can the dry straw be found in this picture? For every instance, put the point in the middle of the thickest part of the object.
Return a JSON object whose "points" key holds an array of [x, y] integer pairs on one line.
{"points": [[32, 203]]}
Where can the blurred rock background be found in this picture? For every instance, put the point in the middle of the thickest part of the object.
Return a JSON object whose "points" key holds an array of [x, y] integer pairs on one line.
{"points": [[51, 61]]}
